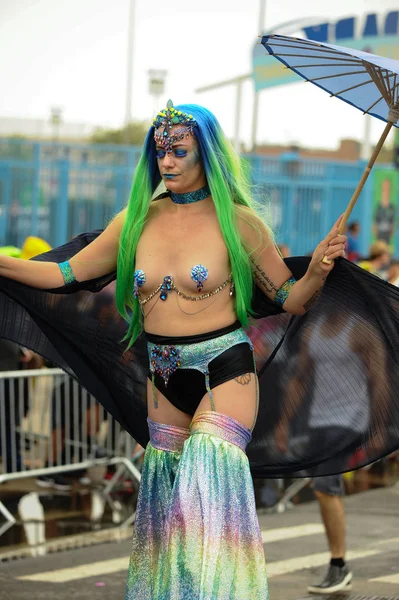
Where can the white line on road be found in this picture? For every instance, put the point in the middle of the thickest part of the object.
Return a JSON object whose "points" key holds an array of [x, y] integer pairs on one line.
{"points": [[89, 570], [387, 579], [390, 541], [121, 564], [274, 569], [282, 567], [288, 533]]}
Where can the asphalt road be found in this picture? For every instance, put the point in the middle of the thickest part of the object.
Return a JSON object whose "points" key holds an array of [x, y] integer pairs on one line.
{"points": [[295, 549]]}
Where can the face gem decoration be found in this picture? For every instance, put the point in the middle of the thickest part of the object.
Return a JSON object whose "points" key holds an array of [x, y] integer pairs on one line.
{"points": [[168, 118], [199, 274]]}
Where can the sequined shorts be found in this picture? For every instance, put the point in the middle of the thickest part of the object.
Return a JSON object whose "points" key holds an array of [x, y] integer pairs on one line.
{"points": [[184, 369]]}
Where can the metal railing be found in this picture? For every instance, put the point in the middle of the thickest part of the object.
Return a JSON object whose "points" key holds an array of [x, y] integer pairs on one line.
{"points": [[58, 190], [50, 425]]}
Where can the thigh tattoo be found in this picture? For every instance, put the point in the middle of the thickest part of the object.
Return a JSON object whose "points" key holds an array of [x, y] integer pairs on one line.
{"points": [[243, 379]]}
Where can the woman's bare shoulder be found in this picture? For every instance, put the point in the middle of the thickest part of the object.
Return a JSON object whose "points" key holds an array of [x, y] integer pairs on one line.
{"points": [[250, 225], [115, 226]]}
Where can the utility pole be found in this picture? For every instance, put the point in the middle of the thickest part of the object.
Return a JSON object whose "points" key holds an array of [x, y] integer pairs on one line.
{"points": [[237, 82], [237, 137], [130, 62], [255, 110], [156, 88], [366, 144], [286, 28]]}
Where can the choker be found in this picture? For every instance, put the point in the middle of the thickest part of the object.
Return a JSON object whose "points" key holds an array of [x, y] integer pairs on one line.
{"points": [[191, 197]]}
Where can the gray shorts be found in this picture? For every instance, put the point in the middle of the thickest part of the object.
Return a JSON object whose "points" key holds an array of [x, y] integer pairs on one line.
{"points": [[333, 485]]}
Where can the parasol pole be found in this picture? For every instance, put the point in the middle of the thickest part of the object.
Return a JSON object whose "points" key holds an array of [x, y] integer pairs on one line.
{"points": [[362, 181]]}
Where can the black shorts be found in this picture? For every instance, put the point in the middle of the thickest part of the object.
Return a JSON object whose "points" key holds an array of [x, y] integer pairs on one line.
{"points": [[187, 385], [332, 485]]}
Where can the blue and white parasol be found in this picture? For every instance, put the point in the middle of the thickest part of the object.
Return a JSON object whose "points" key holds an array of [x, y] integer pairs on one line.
{"points": [[366, 81]]}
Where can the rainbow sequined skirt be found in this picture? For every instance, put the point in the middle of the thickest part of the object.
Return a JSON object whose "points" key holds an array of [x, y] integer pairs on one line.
{"points": [[197, 535]]}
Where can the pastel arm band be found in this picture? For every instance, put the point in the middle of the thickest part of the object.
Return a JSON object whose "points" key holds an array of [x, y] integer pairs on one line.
{"points": [[67, 273], [283, 292]]}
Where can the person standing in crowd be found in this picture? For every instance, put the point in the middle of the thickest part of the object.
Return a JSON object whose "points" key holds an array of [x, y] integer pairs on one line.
{"points": [[329, 491], [384, 217], [393, 272], [348, 356], [353, 244], [378, 260], [187, 263], [15, 401]]}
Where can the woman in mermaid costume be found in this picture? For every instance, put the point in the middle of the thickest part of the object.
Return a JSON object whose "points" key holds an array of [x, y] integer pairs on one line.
{"points": [[187, 262]]}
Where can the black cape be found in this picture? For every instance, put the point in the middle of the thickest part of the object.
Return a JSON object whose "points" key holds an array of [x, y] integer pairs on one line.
{"points": [[329, 393]]}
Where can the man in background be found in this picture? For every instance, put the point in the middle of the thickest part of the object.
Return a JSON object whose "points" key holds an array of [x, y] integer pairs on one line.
{"points": [[13, 404], [384, 218], [353, 245]]}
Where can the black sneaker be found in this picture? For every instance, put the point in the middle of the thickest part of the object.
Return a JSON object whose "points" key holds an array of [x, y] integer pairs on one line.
{"points": [[337, 579], [61, 483], [54, 481]]}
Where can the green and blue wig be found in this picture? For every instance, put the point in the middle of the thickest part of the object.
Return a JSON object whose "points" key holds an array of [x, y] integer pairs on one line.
{"points": [[229, 185]]}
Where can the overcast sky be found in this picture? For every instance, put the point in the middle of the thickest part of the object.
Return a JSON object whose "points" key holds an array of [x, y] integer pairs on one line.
{"points": [[73, 55]]}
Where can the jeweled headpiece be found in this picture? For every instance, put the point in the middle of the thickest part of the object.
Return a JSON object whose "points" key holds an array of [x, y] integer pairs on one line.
{"points": [[166, 119]]}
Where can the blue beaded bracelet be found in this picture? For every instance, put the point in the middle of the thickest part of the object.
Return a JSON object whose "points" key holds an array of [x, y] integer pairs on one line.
{"points": [[283, 292], [67, 273]]}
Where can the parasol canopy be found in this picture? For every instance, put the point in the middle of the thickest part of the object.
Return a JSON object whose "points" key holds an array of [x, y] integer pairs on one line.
{"points": [[366, 81]]}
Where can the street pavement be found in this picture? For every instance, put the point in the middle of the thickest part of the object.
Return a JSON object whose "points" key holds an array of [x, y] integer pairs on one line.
{"points": [[295, 549]]}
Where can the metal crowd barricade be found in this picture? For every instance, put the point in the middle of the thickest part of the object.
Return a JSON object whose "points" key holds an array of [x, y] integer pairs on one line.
{"points": [[50, 425], [292, 490]]}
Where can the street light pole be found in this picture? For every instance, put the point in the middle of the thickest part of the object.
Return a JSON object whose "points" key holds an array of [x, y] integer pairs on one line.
{"points": [[130, 56], [157, 78], [255, 109], [237, 137], [366, 145], [237, 82], [287, 27]]}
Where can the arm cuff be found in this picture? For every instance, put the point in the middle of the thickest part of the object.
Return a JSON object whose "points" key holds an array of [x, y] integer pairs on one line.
{"points": [[67, 273], [283, 292]]}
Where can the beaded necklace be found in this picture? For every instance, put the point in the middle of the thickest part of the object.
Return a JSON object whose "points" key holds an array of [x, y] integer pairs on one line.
{"points": [[191, 197], [168, 285]]}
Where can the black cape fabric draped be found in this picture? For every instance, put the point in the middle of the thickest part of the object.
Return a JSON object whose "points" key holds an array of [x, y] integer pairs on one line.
{"points": [[329, 393]]}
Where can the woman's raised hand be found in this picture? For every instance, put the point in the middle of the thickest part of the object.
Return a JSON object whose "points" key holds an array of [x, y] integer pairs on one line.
{"points": [[332, 247]]}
